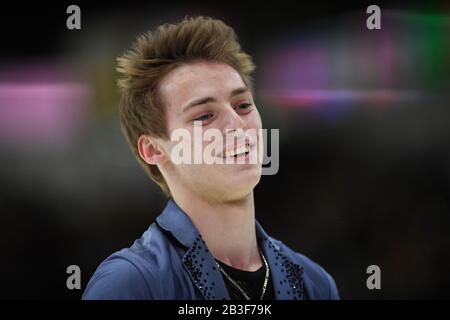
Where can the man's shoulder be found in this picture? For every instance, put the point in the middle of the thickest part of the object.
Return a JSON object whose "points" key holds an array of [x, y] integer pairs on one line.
{"points": [[318, 283], [113, 279], [131, 273]]}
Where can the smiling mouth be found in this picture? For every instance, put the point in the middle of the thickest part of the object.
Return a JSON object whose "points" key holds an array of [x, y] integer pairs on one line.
{"points": [[241, 151]]}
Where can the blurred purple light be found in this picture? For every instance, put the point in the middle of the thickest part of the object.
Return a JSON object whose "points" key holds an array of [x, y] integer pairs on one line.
{"points": [[45, 112], [309, 98]]}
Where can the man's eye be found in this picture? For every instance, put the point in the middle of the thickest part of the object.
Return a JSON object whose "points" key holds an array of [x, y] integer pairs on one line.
{"points": [[244, 105], [203, 117]]}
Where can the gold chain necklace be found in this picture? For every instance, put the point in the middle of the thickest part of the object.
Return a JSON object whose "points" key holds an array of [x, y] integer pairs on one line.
{"points": [[266, 278]]}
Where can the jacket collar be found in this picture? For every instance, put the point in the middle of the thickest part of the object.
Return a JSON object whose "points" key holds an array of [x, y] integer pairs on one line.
{"points": [[286, 276]]}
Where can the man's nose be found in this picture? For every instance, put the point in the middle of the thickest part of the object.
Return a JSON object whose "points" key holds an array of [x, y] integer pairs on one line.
{"points": [[233, 121]]}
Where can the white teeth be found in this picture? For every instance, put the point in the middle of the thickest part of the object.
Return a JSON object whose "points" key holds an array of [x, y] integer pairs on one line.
{"points": [[238, 151]]}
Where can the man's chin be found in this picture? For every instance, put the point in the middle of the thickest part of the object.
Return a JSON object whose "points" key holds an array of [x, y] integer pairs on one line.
{"points": [[231, 191], [242, 187]]}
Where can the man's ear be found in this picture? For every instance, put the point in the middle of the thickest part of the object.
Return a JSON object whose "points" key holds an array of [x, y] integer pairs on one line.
{"points": [[150, 151]]}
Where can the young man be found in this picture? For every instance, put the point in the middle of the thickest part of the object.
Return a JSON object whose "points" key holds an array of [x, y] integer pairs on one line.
{"points": [[206, 244]]}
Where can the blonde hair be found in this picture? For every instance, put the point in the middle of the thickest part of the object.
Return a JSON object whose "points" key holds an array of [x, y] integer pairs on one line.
{"points": [[152, 56]]}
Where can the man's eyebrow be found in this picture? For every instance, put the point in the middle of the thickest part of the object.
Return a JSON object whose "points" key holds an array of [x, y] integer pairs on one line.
{"points": [[198, 102], [237, 91], [205, 100]]}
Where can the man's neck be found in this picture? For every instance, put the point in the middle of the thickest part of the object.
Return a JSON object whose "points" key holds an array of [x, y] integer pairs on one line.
{"points": [[228, 229]]}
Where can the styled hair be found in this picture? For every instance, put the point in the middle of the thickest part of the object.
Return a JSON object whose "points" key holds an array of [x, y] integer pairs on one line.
{"points": [[153, 55]]}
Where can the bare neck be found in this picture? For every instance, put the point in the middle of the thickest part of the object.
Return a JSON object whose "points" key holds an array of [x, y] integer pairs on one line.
{"points": [[228, 229]]}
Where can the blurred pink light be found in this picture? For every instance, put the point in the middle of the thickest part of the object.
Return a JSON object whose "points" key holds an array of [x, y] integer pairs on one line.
{"points": [[297, 66], [311, 98], [46, 112]]}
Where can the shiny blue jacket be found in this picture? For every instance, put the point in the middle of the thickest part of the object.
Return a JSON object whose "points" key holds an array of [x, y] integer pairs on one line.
{"points": [[171, 261]]}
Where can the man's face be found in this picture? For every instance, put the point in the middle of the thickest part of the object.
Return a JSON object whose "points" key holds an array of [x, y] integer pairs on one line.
{"points": [[215, 94]]}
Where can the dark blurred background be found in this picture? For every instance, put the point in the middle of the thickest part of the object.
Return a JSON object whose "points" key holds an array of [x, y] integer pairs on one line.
{"points": [[364, 119]]}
